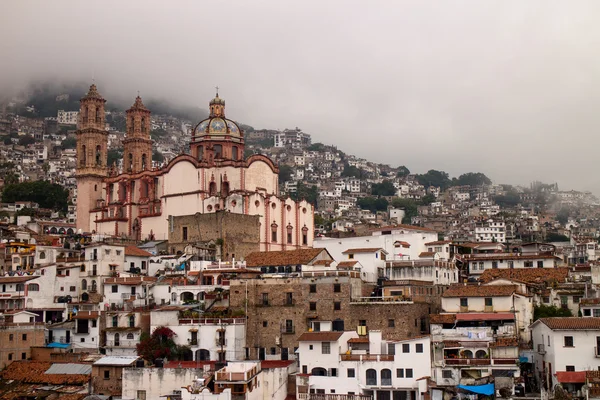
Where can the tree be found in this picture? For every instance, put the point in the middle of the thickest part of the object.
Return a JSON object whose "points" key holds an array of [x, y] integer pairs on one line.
{"points": [[510, 199], [544, 311], [435, 178], [69, 143], [46, 194], [385, 188], [26, 140], [113, 156], [472, 179], [156, 134], [285, 173], [427, 199], [402, 171], [160, 344], [45, 167], [157, 156], [372, 204], [556, 237], [352, 171], [309, 193], [320, 147], [563, 215], [409, 206]]}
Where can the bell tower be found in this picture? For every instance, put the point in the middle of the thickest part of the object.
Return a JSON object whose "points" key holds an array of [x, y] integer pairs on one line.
{"points": [[92, 147], [137, 145]]}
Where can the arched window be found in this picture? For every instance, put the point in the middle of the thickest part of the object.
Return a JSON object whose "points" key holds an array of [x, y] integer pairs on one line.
{"points": [[318, 371], [212, 189], [480, 354], [130, 162], [93, 285], [132, 321], [98, 155], [83, 156], [132, 125], [467, 354], [117, 339], [33, 287], [218, 149], [130, 336], [84, 284], [143, 124], [225, 189], [85, 114], [143, 162], [42, 255], [234, 153], [386, 377], [200, 153], [371, 377], [274, 232], [290, 231], [98, 116], [115, 321]]}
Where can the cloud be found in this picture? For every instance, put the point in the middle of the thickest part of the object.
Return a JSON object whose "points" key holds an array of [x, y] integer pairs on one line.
{"points": [[502, 87]]}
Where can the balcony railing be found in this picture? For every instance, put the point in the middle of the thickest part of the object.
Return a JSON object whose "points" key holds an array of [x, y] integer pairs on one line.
{"points": [[221, 342], [467, 361], [541, 349], [314, 396], [367, 357], [287, 329]]}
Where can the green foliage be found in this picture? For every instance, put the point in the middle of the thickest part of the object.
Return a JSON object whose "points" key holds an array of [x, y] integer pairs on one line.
{"points": [[160, 344], [26, 140], [556, 237], [117, 121], [8, 174], [510, 199], [157, 156], [319, 220], [544, 311], [409, 206], [46, 194], [402, 171], [385, 188], [352, 171], [427, 199], [563, 215], [309, 193], [113, 156], [43, 98], [472, 179], [372, 204], [69, 143], [320, 147], [263, 143], [285, 173], [435, 178]]}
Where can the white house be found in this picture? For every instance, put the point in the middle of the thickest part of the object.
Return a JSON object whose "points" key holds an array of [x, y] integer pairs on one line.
{"points": [[478, 263]]}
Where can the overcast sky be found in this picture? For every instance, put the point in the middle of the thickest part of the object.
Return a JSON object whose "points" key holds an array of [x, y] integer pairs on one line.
{"points": [[508, 88]]}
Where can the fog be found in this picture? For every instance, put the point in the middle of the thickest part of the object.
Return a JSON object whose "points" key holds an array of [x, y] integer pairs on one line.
{"points": [[507, 88]]}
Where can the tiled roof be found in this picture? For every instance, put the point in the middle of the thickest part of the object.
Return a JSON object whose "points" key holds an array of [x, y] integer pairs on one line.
{"points": [[442, 318], [460, 290], [362, 250], [282, 258], [131, 280], [427, 254], [362, 339], [136, 252], [346, 264], [570, 376], [270, 364], [532, 275], [595, 300], [16, 279], [504, 256], [438, 242], [323, 262], [35, 372], [320, 336], [86, 315], [572, 323], [403, 226], [505, 342]]}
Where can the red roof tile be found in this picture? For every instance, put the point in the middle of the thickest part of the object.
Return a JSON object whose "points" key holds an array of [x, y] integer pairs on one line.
{"points": [[283, 258], [346, 264], [442, 318], [270, 364], [427, 254], [533, 275], [460, 290], [136, 252], [34, 372], [571, 323], [484, 316], [570, 376], [362, 250], [131, 280], [320, 336], [438, 242]]}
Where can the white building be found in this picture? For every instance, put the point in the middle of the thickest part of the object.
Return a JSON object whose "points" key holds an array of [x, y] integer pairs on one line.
{"points": [[491, 231], [344, 363], [67, 117], [564, 348], [477, 263]]}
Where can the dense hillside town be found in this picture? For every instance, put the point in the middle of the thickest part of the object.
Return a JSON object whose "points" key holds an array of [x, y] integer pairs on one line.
{"points": [[148, 256]]}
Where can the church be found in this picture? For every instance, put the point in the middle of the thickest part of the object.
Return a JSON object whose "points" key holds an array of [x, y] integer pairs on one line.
{"points": [[140, 202]]}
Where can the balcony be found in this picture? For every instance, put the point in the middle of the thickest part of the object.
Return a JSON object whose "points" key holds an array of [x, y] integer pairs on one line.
{"points": [[367, 357], [124, 343], [464, 309], [488, 309], [467, 361], [193, 342]]}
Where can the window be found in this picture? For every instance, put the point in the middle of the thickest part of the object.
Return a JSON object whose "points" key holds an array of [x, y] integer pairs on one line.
{"points": [[587, 312], [511, 264], [528, 264], [409, 372], [115, 321], [310, 346], [447, 374], [273, 351], [406, 348], [464, 302], [576, 299], [10, 356], [386, 377], [33, 287], [11, 337], [371, 377], [351, 373], [184, 233], [265, 324], [274, 236], [495, 264], [289, 299], [337, 288], [234, 153], [24, 337], [391, 323], [540, 264], [333, 372], [569, 341], [488, 301], [289, 237], [106, 374], [312, 288], [391, 348], [72, 288], [265, 299], [570, 368], [337, 306], [400, 373], [325, 348], [141, 395], [419, 347], [546, 299], [118, 252], [304, 239], [481, 265], [312, 306], [351, 256], [115, 288]]}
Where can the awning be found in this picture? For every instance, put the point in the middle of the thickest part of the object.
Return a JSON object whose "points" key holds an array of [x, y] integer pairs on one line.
{"points": [[570, 376], [58, 345], [486, 390], [484, 316]]}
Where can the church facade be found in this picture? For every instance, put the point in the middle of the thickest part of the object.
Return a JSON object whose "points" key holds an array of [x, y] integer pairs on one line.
{"points": [[140, 202]]}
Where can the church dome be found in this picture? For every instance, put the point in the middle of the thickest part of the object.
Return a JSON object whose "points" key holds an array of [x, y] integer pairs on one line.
{"points": [[216, 123]]}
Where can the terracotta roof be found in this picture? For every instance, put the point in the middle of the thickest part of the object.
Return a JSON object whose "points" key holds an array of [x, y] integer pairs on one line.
{"points": [[485, 316], [362, 250], [460, 290], [131, 280], [427, 254], [451, 343], [16, 279], [34, 372], [570, 376], [504, 256], [323, 262], [531, 275], [282, 258], [401, 243], [595, 300], [86, 315], [442, 318], [362, 339], [438, 242], [572, 323], [320, 336], [188, 364], [403, 226], [505, 342], [269, 364], [136, 252], [346, 264]]}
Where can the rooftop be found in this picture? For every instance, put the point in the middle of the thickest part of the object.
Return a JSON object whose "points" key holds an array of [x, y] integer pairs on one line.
{"points": [[283, 258], [531, 275], [460, 290], [320, 336], [116, 360], [136, 252], [363, 250], [571, 323]]}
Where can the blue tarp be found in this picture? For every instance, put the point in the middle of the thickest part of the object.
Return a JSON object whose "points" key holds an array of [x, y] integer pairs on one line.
{"points": [[59, 345], [487, 390]]}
